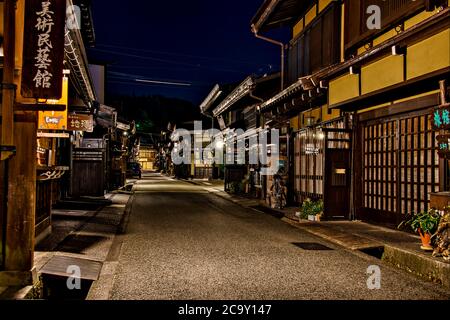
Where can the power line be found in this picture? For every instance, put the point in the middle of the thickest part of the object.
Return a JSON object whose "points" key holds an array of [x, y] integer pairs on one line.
{"points": [[169, 61], [185, 55]]}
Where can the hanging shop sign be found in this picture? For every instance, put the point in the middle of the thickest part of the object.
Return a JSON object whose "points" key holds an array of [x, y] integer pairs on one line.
{"points": [[55, 120], [43, 51], [444, 145], [123, 126], [80, 122], [441, 118]]}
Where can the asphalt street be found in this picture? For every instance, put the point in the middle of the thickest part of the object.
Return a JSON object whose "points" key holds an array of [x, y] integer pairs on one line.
{"points": [[183, 242]]}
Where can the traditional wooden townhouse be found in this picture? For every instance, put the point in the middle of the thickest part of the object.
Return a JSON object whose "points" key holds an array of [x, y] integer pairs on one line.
{"points": [[363, 80], [47, 106], [238, 114]]}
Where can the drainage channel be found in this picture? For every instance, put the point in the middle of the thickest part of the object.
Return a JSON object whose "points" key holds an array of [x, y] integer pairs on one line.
{"points": [[64, 288], [376, 252], [69, 278]]}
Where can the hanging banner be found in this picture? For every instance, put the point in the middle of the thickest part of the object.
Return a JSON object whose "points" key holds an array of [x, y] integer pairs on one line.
{"points": [[43, 52], [80, 122], [55, 120]]}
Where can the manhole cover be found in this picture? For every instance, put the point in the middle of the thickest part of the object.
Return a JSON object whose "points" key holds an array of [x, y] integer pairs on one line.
{"points": [[311, 246]]}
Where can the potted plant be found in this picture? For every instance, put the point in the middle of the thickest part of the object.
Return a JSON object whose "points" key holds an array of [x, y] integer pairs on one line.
{"points": [[318, 210], [311, 210], [424, 223]]}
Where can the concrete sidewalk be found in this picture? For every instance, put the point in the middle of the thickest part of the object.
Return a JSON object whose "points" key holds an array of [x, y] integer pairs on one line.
{"points": [[394, 247], [84, 234]]}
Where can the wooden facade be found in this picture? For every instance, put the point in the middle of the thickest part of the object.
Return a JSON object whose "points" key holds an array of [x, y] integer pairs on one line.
{"points": [[322, 166], [399, 166], [89, 166], [386, 82]]}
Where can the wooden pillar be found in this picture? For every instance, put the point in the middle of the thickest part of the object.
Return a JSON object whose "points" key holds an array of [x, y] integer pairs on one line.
{"points": [[20, 218], [7, 113], [18, 214], [8, 89]]}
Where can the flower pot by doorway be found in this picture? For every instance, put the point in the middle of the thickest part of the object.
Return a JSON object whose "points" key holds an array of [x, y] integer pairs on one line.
{"points": [[425, 223], [426, 241]]}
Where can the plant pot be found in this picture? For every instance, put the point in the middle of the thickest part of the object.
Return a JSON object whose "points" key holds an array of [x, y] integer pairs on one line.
{"points": [[311, 218], [426, 241]]}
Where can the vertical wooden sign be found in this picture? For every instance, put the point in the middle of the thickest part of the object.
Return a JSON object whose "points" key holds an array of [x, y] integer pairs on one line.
{"points": [[43, 52]]}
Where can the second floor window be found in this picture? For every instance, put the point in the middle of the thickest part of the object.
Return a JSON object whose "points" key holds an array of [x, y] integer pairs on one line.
{"points": [[392, 14], [318, 46]]}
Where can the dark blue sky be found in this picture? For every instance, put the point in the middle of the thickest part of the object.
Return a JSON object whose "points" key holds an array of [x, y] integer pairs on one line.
{"points": [[193, 44]]}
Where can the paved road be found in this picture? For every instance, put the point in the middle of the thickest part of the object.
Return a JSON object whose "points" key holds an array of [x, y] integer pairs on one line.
{"points": [[185, 243]]}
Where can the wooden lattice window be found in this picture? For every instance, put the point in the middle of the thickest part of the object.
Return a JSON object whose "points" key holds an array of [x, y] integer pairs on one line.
{"points": [[310, 145], [400, 165]]}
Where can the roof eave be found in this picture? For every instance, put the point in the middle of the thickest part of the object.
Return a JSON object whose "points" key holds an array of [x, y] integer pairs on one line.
{"points": [[263, 14], [237, 94]]}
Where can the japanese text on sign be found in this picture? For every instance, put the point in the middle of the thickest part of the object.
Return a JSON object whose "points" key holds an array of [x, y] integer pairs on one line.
{"points": [[43, 52], [44, 26], [441, 119]]}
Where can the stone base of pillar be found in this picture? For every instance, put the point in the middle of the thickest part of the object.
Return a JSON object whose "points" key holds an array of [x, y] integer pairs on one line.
{"points": [[18, 278]]}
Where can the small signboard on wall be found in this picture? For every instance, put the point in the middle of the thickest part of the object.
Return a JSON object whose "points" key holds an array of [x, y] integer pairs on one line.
{"points": [[55, 120], [441, 118], [80, 122], [444, 145]]}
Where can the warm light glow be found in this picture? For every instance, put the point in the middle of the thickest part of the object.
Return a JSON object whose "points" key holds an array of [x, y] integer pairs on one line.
{"points": [[220, 144]]}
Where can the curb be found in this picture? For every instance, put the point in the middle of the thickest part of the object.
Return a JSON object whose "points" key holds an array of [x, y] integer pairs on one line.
{"points": [[424, 267], [102, 287]]}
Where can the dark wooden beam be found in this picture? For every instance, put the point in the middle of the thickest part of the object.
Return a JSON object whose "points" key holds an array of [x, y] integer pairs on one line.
{"points": [[402, 107], [39, 107]]}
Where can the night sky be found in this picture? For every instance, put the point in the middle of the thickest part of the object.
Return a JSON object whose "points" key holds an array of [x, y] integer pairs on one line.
{"points": [[192, 45]]}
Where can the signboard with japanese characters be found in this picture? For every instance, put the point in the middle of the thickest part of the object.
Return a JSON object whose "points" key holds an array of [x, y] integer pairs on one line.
{"points": [[441, 118], [43, 51], [80, 122], [55, 120], [444, 145]]}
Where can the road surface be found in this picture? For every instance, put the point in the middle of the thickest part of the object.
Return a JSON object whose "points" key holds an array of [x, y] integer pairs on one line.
{"points": [[185, 243]]}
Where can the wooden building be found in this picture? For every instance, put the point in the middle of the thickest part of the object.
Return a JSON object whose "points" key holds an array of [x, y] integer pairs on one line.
{"points": [[147, 157], [235, 108], [361, 101]]}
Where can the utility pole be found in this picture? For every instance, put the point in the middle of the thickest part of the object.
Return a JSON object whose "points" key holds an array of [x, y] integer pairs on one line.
{"points": [[18, 164]]}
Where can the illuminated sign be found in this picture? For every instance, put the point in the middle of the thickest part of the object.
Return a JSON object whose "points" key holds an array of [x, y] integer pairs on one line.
{"points": [[43, 52], [55, 120], [441, 118], [444, 145], [80, 122]]}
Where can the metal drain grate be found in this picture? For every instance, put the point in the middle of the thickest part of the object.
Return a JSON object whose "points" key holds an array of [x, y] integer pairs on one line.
{"points": [[311, 246]]}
